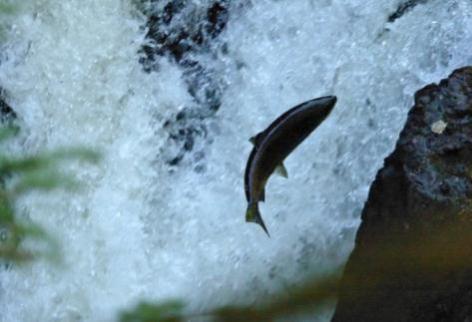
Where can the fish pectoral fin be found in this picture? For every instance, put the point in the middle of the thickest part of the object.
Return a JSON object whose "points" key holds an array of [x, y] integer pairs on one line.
{"points": [[262, 196], [280, 169]]}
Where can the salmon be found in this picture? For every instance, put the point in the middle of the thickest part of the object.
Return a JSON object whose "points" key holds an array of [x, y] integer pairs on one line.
{"points": [[274, 144]]}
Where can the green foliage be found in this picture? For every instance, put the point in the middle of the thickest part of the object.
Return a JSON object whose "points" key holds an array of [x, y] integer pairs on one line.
{"points": [[169, 311], [424, 259], [312, 296], [20, 175], [7, 9]]}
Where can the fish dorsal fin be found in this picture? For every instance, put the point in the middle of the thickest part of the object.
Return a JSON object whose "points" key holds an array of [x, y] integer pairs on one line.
{"points": [[256, 139], [280, 170]]}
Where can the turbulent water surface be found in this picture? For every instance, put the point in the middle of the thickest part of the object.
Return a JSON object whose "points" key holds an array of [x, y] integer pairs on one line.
{"points": [[162, 215]]}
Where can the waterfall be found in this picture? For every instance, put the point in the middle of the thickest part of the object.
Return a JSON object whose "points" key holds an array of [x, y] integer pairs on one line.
{"points": [[162, 215]]}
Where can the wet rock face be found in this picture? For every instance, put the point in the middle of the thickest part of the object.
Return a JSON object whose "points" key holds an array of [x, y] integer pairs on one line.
{"points": [[184, 31], [413, 255]]}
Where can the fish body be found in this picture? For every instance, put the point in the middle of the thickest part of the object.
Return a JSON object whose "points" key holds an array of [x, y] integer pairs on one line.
{"points": [[275, 143]]}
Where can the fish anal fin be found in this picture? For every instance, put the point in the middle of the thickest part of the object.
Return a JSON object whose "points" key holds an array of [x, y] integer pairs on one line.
{"points": [[281, 170]]}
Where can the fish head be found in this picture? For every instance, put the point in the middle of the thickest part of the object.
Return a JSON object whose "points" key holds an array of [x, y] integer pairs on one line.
{"points": [[323, 105], [313, 112]]}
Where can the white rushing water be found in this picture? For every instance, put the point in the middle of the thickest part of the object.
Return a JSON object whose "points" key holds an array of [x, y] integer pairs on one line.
{"points": [[141, 229]]}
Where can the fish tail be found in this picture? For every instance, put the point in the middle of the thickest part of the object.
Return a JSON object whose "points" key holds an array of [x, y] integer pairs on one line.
{"points": [[253, 215]]}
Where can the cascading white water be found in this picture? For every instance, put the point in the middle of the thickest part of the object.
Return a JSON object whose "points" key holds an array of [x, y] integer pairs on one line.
{"points": [[140, 231]]}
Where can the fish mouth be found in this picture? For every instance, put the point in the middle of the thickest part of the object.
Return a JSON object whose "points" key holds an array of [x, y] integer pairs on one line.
{"points": [[332, 100], [325, 103]]}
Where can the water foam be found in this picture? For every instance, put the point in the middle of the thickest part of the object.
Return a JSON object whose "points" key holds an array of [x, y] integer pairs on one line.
{"points": [[141, 229]]}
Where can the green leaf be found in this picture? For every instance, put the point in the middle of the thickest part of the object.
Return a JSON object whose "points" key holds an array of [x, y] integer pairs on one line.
{"points": [[7, 8], [169, 311], [45, 160], [41, 180], [8, 132], [32, 173]]}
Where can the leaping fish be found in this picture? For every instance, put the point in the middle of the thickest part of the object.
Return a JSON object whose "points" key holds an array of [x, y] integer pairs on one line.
{"points": [[274, 144]]}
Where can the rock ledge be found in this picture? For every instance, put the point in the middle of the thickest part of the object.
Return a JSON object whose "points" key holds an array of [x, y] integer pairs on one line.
{"points": [[413, 255]]}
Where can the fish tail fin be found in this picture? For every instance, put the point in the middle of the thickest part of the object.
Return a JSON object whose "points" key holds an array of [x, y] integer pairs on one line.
{"points": [[253, 215]]}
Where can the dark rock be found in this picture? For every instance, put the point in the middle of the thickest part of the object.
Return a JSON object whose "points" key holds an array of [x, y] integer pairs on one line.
{"points": [[413, 255], [404, 7]]}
